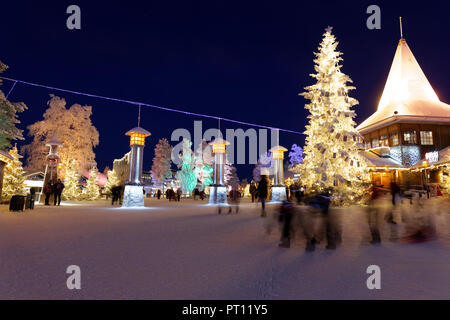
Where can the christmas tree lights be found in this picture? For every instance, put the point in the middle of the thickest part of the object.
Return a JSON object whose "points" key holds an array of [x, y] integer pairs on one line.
{"points": [[332, 159]]}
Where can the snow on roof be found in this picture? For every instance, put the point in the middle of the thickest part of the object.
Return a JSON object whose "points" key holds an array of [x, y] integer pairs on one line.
{"points": [[219, 140], [407, 94], [375, 160], [443, 157], [278, 148], [138, 130]]}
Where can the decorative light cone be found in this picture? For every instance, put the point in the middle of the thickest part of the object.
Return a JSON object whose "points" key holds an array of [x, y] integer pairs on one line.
{"points": [[218, 190], [278, 187], [134, 195]]}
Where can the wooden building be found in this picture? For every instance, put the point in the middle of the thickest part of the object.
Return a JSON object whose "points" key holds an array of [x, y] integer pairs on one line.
{"points": [[410, 121]]}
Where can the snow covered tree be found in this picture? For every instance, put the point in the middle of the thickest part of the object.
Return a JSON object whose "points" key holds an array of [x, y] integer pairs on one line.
{"points": [[331, 155], [204, 164], [162, 161], [230, 175], [13, 179], [71, 189], [74, 129], [186, 174], [113, 181], [92, 192], [295, 155], [265, 164], [121, 168], [8, 117]]}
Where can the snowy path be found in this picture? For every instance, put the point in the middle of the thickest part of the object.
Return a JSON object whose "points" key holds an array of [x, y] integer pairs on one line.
{"points": [[187, 251]]}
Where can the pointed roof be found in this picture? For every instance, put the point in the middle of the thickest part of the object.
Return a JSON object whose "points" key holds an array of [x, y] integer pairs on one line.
{"points": [[138, 130], [54, 141], [407, 95]]}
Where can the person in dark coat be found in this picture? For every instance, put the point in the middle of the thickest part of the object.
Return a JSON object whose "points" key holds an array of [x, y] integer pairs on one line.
{"points": [[252, 191], [263, 191], [158, 194], [286, 211], [116, 191], [58, 188], [48, 190], [32, 197]]}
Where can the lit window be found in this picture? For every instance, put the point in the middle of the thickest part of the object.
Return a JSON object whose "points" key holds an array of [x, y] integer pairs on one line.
{"points": [[426, 137], [384, 141], [375, 143], [394, 139], [410, 137]]}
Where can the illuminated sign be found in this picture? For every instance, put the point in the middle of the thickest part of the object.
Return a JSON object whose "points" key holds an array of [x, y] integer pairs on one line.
{"points": [[432, 157]]}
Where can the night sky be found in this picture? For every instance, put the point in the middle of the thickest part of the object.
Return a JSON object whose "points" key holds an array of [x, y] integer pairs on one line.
{"points": [[245, 60]]}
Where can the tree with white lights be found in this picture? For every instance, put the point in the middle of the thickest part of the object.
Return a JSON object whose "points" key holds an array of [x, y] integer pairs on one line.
{"points": [[13, 179], [92, 192], [162, 161], [230, 175], [71, 189], [74, 129], [331, 155], [112, 181]]}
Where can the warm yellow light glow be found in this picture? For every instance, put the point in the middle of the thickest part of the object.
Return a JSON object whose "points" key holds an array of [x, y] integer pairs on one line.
{"points": [[406, 80], [137, 139], [278, 154], [218, 147]]}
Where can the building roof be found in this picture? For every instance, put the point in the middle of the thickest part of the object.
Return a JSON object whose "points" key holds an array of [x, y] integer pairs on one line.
{"points": [[138, 130], [407, 95], [375, 160], [54, 141]]}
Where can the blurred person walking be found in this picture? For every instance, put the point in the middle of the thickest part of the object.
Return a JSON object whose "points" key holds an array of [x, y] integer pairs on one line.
{"points": [[263, 190]]}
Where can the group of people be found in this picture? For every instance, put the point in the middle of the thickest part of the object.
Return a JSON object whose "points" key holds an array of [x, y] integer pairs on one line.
{"points": [[314, 222], [53, 188], [417, 222], [173, 195]]}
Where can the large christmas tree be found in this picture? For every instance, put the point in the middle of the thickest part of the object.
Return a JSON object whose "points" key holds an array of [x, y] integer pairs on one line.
{"points": [[13, 179], [332, 158]]}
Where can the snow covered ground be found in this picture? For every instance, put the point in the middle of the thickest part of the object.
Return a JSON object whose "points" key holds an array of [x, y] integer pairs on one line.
{"points": [[187, 251]]}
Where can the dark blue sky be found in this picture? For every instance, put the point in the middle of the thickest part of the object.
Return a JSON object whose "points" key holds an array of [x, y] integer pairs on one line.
{"points": [[245, 60]]}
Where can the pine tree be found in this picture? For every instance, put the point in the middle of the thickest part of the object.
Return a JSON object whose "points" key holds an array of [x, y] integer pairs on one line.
{"points": [[71, 189], [331, 155], [264, 165], [13, 179], [92, 191], [8, 117], [295, 155], [230, 176], [162, 161], [186, 174]]}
